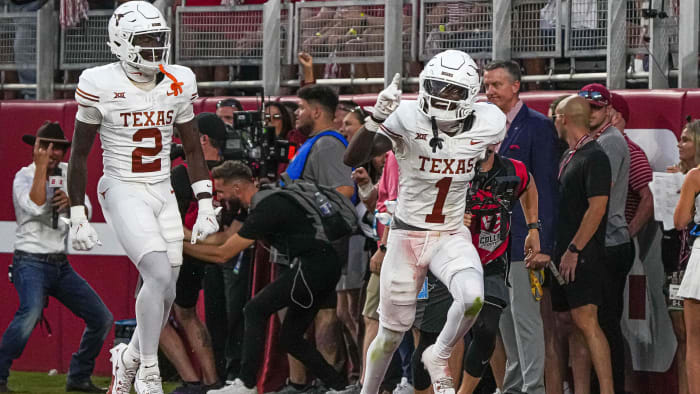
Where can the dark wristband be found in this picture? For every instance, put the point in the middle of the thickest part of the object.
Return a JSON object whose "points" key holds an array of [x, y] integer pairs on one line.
{"points": [[534, 226], [382, 247], [572, 248]]}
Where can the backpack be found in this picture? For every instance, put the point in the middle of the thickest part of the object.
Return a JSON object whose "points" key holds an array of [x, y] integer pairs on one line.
{"points": [[342, 220]]}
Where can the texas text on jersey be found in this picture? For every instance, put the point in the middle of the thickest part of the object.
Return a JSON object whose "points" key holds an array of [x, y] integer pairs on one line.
{"points": [[433, 185], [137, 125]]}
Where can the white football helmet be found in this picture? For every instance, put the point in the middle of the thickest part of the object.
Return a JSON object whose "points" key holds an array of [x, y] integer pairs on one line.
{"points": [[449, 84], [139, 35]]}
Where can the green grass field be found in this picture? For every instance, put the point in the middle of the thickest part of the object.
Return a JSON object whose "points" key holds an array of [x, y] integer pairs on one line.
{"points": [[42, 383]]}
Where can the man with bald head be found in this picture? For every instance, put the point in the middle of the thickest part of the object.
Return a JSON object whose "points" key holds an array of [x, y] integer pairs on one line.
{"points": [[584, 187]]}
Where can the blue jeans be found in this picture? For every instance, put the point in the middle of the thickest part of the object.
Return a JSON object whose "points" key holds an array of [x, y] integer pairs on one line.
{"points": [[35, 280]]}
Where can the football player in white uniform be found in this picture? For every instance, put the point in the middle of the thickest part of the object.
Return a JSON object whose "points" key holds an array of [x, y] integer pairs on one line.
{"points": [[438, 141], [134, 104]]}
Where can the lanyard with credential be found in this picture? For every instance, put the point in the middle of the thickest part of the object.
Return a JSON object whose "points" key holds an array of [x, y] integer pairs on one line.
{"points": [[580, 142]]}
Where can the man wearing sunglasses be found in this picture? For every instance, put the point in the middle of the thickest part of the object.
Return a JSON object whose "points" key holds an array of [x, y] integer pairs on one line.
{"points": [[618, 246]]}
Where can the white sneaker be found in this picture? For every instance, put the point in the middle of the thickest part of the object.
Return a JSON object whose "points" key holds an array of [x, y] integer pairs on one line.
{"points": [[498, 391], [122, 376], [439, 371], [148, 381], [235, 387], [404, 387]]}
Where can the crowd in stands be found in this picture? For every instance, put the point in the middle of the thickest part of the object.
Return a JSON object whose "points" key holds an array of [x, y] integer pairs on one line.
{"points": [[357, 31]]}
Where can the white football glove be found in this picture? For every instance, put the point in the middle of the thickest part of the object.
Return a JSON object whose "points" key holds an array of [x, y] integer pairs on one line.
{"points": [[83, 236], [388, 100], [206, 223]]}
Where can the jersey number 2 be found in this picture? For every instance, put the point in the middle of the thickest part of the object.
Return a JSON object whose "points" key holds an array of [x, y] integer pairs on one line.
{"points": [[137, 164], [436, 216]]}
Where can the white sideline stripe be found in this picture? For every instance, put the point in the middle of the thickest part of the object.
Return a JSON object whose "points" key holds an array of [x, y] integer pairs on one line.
{"points": [[110, 244]]}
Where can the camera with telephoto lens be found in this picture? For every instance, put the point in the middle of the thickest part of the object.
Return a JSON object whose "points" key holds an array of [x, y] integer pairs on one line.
{"points": [[248, 140]]}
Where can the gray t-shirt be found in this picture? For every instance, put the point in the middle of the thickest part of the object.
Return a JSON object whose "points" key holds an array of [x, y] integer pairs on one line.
{"points": [[615, 147], [325, 166]]}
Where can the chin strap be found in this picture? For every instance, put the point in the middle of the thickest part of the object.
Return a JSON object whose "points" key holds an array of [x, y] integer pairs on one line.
{"points": [[137, 75], [436, 141], [176, 86]]}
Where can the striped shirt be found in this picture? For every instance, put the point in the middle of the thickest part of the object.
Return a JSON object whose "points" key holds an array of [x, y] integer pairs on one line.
{"points": [[640, 176]]}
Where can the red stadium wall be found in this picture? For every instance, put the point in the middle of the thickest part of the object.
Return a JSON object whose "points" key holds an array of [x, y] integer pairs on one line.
{"points": [[114, 277]]}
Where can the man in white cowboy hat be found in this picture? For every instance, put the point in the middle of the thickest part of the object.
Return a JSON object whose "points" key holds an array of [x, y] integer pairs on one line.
{"points": [[40, 267]]}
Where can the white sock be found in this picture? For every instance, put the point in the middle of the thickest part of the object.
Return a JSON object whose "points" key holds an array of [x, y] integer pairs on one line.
{"points": [[149, 366], [155, 295], [131, 357], [467, 289], [379, 356]]}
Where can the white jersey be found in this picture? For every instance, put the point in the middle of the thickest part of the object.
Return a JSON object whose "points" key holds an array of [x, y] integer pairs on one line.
{"points": [[433, 186], [137, 125]]}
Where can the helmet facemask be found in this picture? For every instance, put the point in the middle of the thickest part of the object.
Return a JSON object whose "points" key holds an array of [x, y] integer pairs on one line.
{"points": [[446, 101], [148, 49], [151, 48]]}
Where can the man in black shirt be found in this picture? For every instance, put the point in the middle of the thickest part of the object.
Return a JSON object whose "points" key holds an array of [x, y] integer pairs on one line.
{"points": [[584, 185], [286, 226]]}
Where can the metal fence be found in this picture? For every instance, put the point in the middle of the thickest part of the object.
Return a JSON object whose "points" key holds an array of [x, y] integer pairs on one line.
{"points": [[466, 26], [353, 31], [85, 45], [18, 39], [535, 28], [348, 31], [586, 28], [208, 36], [637, 27], [638, 24], [672, 25]]}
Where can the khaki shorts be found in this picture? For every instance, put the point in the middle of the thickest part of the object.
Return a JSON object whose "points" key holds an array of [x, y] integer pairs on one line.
{"points": [[372, 298]]}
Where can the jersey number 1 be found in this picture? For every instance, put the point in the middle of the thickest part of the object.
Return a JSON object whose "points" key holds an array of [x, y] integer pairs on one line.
{"points": [[137, 164], [436, 216]]}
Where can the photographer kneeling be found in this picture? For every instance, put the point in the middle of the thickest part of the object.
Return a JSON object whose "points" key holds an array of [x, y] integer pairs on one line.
{"points": [[278, 219]]}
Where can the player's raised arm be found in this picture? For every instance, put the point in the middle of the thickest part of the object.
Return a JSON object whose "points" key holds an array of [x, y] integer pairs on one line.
{"points": [[367, 143], [83, 236], [206, 222]]}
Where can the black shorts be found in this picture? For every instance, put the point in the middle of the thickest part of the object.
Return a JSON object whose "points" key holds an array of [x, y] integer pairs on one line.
{"points": [[431, 314], [189, 282], [587, 288]]}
